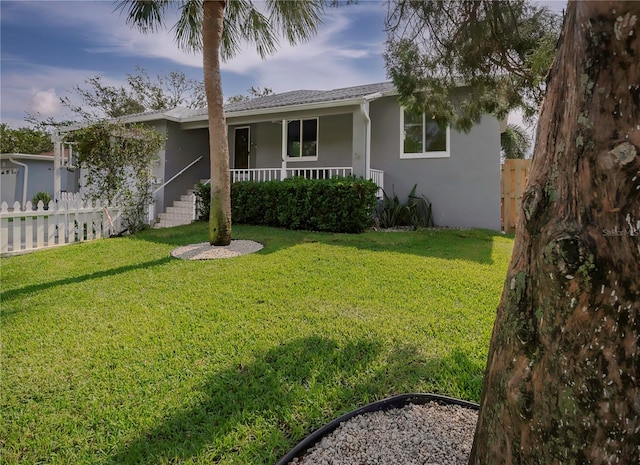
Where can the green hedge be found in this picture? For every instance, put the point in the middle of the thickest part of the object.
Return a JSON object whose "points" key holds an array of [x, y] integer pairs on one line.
{"points": [[337, 205]]}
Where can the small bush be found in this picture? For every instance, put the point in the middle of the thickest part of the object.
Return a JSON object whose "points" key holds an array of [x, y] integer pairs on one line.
{"points": [[417, 212], [203, 201], [420, 210], [391, 212], [336, 205], [44, 196]]}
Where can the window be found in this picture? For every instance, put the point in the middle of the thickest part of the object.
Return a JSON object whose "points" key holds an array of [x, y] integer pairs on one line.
{"points": [[302, 138], [422, 138]]}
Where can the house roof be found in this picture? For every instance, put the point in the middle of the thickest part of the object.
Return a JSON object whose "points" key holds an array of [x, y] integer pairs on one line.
{"points": [[276, 102], [27, 156], [301, 97]]}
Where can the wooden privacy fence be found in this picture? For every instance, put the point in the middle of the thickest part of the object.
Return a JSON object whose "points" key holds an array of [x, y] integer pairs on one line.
{"points": [[63, 222], [514, 175]]}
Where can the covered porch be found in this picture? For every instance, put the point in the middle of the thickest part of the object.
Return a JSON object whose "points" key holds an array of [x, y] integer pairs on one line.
{"points": [[317, 140], [278, 174]]}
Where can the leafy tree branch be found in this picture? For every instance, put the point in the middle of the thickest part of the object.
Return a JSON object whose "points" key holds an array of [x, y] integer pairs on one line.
{"points": [[498, 52]]}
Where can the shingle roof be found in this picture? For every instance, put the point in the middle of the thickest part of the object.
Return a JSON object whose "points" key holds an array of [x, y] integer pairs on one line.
{"points": [[296, 97], [300, 97]]}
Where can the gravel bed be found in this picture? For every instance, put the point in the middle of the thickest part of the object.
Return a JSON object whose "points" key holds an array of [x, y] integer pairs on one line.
{"points": [[206, 251], [420, 434]]}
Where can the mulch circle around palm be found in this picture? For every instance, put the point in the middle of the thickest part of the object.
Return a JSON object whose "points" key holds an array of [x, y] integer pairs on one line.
{"points": [[206, 251]]}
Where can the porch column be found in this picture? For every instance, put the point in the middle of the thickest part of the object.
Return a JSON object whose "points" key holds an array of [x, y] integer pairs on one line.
{"points": [[359, 151], [283, 172], [57, 163]]}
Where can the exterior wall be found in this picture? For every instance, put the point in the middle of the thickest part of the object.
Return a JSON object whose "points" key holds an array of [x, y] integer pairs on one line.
{"points": [[40, 180], [464, 188], [181, 148], [334, 142]]}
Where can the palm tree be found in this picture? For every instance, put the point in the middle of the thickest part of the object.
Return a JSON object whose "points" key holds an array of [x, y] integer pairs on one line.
{"points": [[515, 142], [218, 28]]}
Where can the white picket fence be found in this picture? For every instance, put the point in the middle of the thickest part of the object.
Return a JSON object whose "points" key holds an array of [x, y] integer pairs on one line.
{"points": [[65, 221]]}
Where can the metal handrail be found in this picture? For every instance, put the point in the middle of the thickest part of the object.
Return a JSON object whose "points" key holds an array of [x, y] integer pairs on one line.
{"points": [[179, 173]]}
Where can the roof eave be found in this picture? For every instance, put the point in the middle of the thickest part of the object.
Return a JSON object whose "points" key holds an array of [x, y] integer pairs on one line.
{"points": [[291, 108], [26, 156]]}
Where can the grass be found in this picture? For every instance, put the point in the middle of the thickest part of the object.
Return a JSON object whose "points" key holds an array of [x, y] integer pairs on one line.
{"points": [[113, 352]]}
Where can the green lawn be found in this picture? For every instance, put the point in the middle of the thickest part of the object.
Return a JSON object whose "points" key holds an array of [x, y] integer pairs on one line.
{"points": [[114, 352]]}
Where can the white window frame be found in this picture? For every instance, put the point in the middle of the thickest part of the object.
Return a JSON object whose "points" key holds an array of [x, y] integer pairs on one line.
{"points": [[302, 157], [423, 154]]}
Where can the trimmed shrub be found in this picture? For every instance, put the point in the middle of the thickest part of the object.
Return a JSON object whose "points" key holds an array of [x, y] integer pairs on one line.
{"points": [[341, 204]]}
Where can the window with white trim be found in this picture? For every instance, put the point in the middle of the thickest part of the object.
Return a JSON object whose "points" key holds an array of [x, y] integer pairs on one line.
{"points": [[422, 137], [302, 139]]}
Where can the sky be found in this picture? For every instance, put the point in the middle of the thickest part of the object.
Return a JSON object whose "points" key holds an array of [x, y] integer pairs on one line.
{"points": [[48, 47]]}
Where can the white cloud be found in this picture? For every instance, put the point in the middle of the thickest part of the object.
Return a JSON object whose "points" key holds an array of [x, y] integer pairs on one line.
{"points": [[332, 59], [36, 89], [327, 59], [339, 56], [45, 102]]}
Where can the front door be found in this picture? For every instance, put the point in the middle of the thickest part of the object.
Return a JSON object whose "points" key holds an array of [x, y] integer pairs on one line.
{"points": [[241, 148]]}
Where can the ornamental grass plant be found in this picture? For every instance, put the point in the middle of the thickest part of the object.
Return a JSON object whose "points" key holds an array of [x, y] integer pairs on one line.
{"points": [[114, 352]]}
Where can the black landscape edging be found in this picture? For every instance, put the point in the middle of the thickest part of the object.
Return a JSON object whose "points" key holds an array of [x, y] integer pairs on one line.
{"points": [[398, 401]]}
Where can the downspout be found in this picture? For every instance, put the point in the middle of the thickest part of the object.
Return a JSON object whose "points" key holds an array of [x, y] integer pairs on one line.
{"points": [[24, 180], [364, 109], [283, 170]]}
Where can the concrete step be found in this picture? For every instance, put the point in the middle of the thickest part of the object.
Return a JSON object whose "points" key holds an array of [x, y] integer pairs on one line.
{"points": [[175, 217], [183, 204], [169, 223], [179, 211]]}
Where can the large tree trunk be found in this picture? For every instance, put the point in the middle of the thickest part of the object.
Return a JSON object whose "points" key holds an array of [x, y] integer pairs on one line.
{"points": [[220, 214], [563, 376]]}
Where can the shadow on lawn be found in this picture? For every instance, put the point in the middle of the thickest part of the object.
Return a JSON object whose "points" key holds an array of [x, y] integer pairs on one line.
{"points": [[471, 244], [274, 391], [13, 293]]}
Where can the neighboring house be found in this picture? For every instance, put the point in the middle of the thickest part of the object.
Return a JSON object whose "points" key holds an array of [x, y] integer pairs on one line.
{"points": [[358, 130], [24, 175]]}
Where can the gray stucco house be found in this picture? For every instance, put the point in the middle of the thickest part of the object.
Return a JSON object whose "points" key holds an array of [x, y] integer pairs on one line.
{"points": [[358, 130], [24, 175]]}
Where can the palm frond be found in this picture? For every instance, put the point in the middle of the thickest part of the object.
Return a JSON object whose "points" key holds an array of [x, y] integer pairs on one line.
{"points": [[244, 23], [188, 29], [231, 34], [515, 142], [259, 31], [147, 16], [297, 21]]}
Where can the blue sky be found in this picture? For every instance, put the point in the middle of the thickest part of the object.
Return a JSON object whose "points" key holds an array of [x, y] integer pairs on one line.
{"points": [[48, 47]]}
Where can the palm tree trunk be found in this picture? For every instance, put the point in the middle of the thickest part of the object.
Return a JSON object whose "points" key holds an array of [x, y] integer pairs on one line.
{"points": [[562, 381], [220, 214]]}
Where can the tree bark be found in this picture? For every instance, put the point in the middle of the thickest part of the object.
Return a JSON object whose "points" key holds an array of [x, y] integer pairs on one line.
{"points": [[563, 378], [220, 213]]}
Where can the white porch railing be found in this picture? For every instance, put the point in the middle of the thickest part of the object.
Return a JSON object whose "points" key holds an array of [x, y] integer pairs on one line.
{"points": [[377, 176], [256, 174], [275, 174], [66, 221], [319, 173]]}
